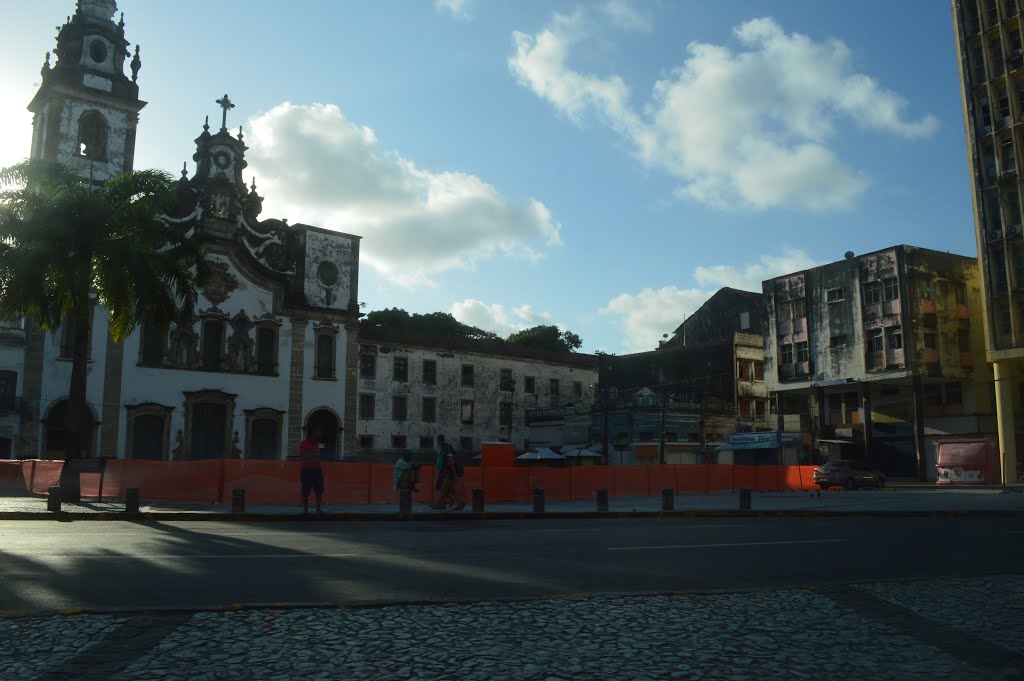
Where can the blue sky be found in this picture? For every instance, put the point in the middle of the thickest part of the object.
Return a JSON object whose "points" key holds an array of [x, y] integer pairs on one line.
{"points": [[604, 166]]}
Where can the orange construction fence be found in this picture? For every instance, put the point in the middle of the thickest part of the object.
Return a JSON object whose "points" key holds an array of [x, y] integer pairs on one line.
{"points": [[212, 481]]}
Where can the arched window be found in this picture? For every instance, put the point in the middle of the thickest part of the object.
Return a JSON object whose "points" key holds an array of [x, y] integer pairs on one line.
{"points": [[263, 433], [209, 417], [324, 360], [148, 431], [56, 434], [92, 136]]}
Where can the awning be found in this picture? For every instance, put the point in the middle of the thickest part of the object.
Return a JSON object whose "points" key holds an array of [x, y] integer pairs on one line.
{"points": [[727, 447]]}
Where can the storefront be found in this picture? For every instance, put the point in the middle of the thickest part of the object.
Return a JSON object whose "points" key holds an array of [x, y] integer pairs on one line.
{"points": [[761, 449]]}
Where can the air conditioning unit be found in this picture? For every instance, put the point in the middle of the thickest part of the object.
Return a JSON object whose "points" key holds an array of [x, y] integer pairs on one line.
{"points": [[995, 235], [1013, 230], [986, 129]]}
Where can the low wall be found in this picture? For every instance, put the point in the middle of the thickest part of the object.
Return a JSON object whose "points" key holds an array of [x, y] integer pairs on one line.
{"points": [[368, 483]]}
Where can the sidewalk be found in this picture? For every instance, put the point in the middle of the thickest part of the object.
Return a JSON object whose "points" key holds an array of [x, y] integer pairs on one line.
{"points": [[862, 502]]}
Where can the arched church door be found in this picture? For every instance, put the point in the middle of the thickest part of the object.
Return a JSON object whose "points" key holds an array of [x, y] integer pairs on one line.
{"points": [[326, 422]]}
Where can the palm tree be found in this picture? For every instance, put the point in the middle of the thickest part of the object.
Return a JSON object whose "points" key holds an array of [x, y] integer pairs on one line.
{"points": [[66, 244]]}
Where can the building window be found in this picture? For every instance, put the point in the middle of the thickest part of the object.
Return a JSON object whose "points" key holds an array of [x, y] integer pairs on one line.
{"points": [[213, 344], [837, 341], [875, 341], [467, 376], [894, 335], [148, 431], [209, 416], [759, 408], [399, 407], [890, 289], [263, 439], [366, 442], [367, 366], [758, 371], [1008, 158], [466, 412], [367, 405], [266, 351], [931, 341], [426, 442], [872, 293], [963, 339], [954, 393], [398, 442], [428, 410], [799, 308], [429, 372], [743, 366], [785, 311], [505, 414], [787, 354], [505, 382], [960, 290], [802, 354], [67, 339], [834, 295], [577, 390], [8, 386], [324, 355], [744, 321], [530, 385], [465, 444], [152, 346], [933, 395], [999, 282], [400, 369], [554, 389]]}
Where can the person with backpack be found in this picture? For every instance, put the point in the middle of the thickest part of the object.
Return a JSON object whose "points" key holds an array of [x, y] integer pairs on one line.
{"points": [[449, 471]]}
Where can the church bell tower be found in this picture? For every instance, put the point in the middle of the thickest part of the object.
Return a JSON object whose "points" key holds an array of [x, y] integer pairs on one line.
{"points": [[86, 111]]}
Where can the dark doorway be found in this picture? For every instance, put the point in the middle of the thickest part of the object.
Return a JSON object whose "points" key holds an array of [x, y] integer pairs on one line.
{"points": [[148, 437], [209, 430], [56, 423], [327, 423]]}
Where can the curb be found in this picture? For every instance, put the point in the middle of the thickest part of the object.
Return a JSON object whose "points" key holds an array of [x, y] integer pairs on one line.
{"points": [[190, 516]]}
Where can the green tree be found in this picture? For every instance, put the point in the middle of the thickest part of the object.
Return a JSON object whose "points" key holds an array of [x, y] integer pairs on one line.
{"points": [[546, 338], [65, 244], [429, 324]]}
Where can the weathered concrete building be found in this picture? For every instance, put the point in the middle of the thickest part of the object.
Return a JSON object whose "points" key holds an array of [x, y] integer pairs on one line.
{"points": [[990, 51], [270, 349], [410, 389], [709, 377], [882, 351]]}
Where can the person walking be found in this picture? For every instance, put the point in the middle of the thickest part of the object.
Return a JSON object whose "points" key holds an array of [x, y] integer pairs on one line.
{"points": [[447, 484], [311, 473]]}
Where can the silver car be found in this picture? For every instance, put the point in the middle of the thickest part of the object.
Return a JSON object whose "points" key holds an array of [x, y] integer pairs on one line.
{"points": [[849, 474]]}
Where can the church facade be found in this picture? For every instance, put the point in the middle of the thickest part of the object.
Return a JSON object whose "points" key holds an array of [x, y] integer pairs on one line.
{"points": [[270, 350]]}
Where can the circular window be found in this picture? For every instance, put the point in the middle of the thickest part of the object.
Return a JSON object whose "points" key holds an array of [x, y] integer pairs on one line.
{"points": [[327, 273], [98, 51]]}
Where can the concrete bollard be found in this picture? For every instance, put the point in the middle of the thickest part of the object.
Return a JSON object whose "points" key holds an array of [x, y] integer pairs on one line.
{"points": [[131, 500], [744, 499], [668, 499], [404, 502], [478, 501], [238, 501], [53, 501], [602, 500], [538, 500]]}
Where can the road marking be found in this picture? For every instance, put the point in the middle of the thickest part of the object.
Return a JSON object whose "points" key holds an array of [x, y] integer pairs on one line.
{"points": [[572, 529], [711, 546], [1016, 531], [179, 556]]}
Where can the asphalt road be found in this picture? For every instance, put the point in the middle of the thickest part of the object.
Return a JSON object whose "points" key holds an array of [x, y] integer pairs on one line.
{"points": [[121, 565]]}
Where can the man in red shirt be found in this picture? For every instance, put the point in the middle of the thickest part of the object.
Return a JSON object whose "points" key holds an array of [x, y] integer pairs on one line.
{"points": [[310, 472]]}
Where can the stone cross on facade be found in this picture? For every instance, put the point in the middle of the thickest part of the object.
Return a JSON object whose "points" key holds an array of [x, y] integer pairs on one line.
{"points": [[225, 104]]}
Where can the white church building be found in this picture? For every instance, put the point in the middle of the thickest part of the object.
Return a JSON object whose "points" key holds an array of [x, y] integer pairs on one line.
{"points": [[271, 349]]}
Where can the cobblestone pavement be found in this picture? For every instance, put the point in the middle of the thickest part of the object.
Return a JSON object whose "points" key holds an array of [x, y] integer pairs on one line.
{"points": [[870, 501], [854, 633]]}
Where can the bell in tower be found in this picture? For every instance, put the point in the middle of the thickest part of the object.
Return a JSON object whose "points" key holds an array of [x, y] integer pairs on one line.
{"points": [[86, 111]]}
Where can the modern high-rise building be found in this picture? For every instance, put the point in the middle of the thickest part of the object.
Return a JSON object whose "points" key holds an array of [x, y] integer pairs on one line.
{"points": [[990, 51]]}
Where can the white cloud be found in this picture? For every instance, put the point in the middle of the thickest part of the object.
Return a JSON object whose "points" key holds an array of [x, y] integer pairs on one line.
{"points": [[457, 8], [626, 15], [496, 317], [748, 127], [315, 166], [646, 316]]}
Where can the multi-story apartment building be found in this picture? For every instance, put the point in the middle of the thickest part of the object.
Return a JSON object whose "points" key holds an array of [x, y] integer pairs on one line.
{"points": [[410, 389], [990, 50], [883, 351]]}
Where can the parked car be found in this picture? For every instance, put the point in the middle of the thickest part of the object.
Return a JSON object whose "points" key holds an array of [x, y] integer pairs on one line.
{"points": [[847, 473]]}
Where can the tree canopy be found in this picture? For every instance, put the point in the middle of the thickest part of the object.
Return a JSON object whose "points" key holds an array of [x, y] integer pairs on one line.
{"points": [[444, 324]]}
